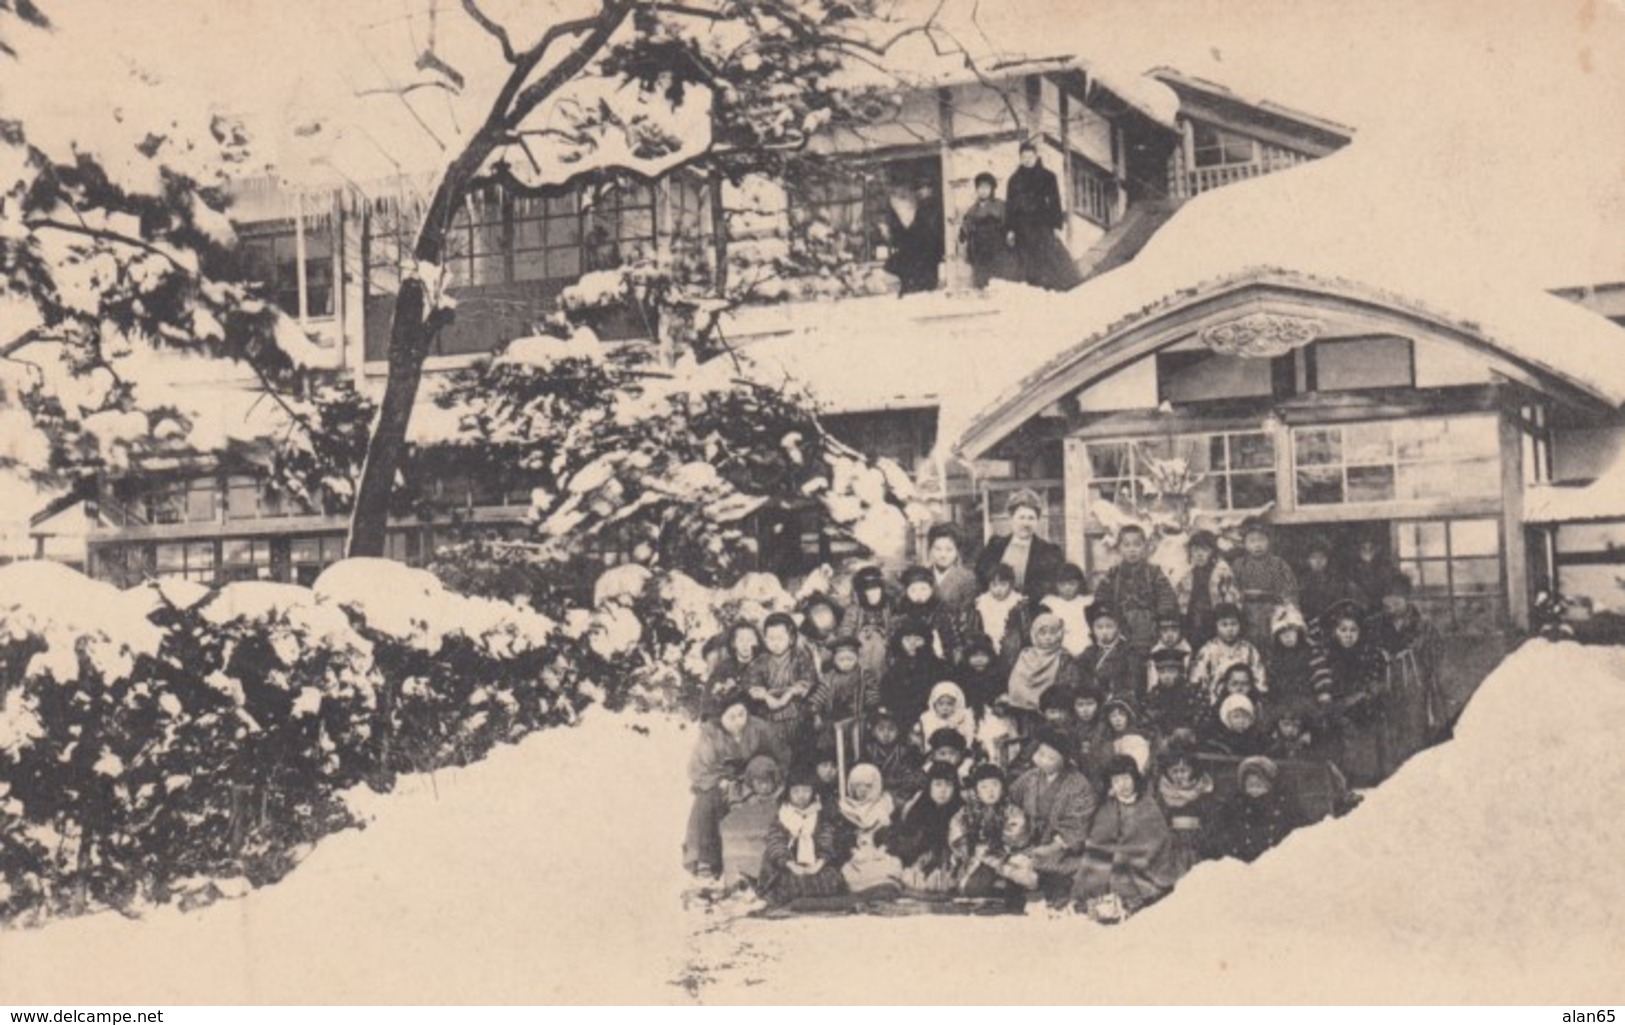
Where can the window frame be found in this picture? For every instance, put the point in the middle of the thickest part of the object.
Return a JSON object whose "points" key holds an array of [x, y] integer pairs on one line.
{"points": [[285, 281], [1093, 190], [1395, 462], [1221, 144]]}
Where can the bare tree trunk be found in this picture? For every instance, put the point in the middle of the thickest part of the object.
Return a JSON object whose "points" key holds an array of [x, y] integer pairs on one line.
{"points": [[409, 339]]}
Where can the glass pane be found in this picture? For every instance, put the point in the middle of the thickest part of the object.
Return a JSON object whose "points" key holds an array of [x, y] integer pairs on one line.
{"points": [[561, 204], [1368, 443], [1421, 540], [563, 263], [1317, 447], [332, 548], [489, 270], [171, 557], [1430, 576], [531, 266], [237, 553], [305, 550], [528, 234], [200, 554], [1251, 490], [1477, 576], [1371, 484], [242, 501], [637, 225], [1210, 493], [1320, 486], [1252, 452], [1108, 461], [564, 231], [1475, 537], [200, 503]]}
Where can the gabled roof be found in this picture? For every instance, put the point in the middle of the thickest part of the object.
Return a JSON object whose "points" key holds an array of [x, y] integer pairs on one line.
{"points": [[1332, 134]]}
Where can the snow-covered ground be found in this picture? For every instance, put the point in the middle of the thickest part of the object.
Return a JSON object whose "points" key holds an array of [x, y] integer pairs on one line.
{"points": [[1488, 870]]}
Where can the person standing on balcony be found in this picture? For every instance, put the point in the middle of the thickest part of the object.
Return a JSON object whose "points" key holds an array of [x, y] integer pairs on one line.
{"points": [[983, 234], [914, 230], [1032, 216]]}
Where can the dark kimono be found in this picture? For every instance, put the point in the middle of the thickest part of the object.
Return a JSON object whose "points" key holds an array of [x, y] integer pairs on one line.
{"points": [[1032, 211], [1130, 853], [1114, 670], [935, 614], [916, 247], [1140, 594], [1265, 581], [871, 626], [987, 247], [791, 724], [899, 765], [1191, 813], [778, 885], [1057, 809], [906, 687], [1249, 826]]}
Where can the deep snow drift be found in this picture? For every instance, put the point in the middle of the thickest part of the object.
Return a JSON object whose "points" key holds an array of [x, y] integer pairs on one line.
{"points": [[1487, 870]]}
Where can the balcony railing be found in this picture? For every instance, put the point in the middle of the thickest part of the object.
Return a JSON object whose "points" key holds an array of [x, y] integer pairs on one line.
{"points": [[1201, 179]]}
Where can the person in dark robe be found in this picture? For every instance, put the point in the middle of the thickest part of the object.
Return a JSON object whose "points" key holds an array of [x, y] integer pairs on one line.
{"points": [[723, 749], [1036, 562], [1258, 816], [1371, 574], [914, 670], [1265, 582], [1129, 857], [920, 840], [1059, 805], [1208, 584], [915, 232], [1032, 216], [802, 846], [1321, 586], [1138, 592]]}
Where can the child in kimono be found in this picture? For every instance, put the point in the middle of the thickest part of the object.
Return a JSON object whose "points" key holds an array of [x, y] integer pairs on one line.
{"points": [[947, 711], [869, 810], [1109, 663], [1227, 648], [1265, 582], [921, 839], [1070, 603], [870, 620], [1185, 791], [1001, 612], [800, 858], [781, 680]]}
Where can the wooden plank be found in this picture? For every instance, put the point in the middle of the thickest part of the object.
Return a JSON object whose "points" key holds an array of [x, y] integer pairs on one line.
{"points": [[1514, 544]]}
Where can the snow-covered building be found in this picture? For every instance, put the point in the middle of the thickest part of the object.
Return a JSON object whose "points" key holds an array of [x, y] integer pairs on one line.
{"points": [[1127, 150]]}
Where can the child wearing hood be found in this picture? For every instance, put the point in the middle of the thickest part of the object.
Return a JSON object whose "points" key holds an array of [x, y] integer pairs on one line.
{"points": [[1126, 736], [1002, 613], [1128, 858], [800, 856], [1296, 663], [921, 604], [869, 811], [1227, 648], [979, 675], [1041, 665], [886, 749], [1257, 816], [921, 841], [782, 679], [1235, 731], [845, 691], [870, 620], [947, 711], [1185, 792], [985, 834], [1070, 603], [1109, 663], [821, 619], [914, 670]]}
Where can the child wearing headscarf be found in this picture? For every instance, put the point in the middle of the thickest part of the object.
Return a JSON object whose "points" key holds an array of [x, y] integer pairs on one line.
{"points": [[799, 859], [869, 810], [1041, 665], [947, 711]]}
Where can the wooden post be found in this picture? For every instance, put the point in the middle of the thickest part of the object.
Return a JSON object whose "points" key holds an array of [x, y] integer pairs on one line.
{"points": [[1075, 498], [1514, 543]]}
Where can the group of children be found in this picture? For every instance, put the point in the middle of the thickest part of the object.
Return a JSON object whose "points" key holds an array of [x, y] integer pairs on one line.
{"points": [[996, 744]]}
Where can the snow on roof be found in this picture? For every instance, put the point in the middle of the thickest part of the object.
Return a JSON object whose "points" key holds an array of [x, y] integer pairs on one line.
{"points": [[966, 353], [1601, 499]]}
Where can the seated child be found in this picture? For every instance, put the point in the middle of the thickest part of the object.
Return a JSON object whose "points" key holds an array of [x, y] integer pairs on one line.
{"points": [[1296, 664], [869, 811], [800, 855], [1257, 817], [985, 834], [1108, 663], [1235, 731], [1056, 708], [980, 676], [781, 679], [1070, 604], [1238, 679], [947, 747], [920, 840], [1001, 612], [1173, 703], [1185, 791], [1226, 649], [998, 734], [897, 760], [947, 711], [1126, 736], [1128, 858], [1290, 735], [1170, 644]]}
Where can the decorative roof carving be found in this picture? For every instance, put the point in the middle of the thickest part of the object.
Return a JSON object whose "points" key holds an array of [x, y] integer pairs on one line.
{"points": [[1261, 335]]}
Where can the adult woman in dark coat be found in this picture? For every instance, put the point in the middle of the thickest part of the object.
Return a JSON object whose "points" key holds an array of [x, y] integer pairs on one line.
{"points": [[1032, 216], [917, 244], [1037, 562]]}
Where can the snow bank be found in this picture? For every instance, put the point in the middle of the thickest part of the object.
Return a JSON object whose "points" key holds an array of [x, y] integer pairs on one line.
{"points": [[1487, 870], [75, 615]]}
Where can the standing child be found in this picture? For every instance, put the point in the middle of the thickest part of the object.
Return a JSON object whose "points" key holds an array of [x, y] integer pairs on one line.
{"points": [[869, 811], [954, 582], [1091, 737], [983, 236], [1003, 615], [921, 604], [801, 847], [820, 625], [1206, 585], [1171, 643], [914, 670], [1320, 587], [947, 711], [1371, 573], [1296, 663], [1227, 648], [1139, 592], [725, 746], [1265, 581], [739, 648], [1109, 663], [846, 692], [1041, 665], [781, 680], [1070, 604], [871, 620], [1353, 702]]}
